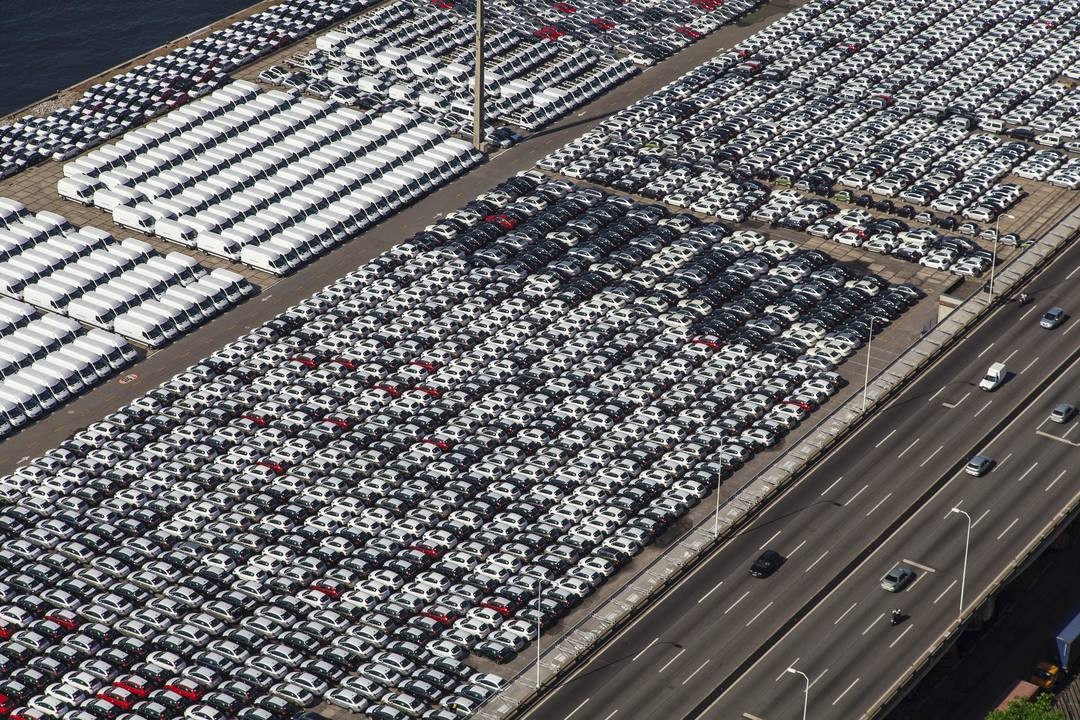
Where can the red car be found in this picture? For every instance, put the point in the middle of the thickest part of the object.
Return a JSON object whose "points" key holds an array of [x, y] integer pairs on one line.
{"points": [[326, 590], [121, 698], [425, 364], [133, 684], [346, 362], [341, 422], [689, 32], [64, 618], [439, 617], [602, 23], [565, 8], [391, 390], [186, 689], [714, 344], [504, 221], [433, 392], [257, 419], [441, 444], [274, 465], [426, 549], [497, 607], [6, 631]]}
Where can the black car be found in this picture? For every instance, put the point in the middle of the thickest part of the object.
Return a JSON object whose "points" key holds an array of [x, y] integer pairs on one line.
{"points": [[768, 563]]}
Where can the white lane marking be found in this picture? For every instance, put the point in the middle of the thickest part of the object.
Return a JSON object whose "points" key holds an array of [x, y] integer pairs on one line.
{"points": [[1010, 355], [1005, 460], [984, 514], [944, 591], [832, 485], [1070, 429], [1075, 270], [691, 675], [741, 598], [612, 714], [904, 452], [844, 615], [979, 411], [662, 669], [901, 636], [950, 513], [931, 398], [820, 558], [1015, 520], [796, 549], [642, 651], [1069, 329], [1054, 481], [764, 544], [714, 587], [986, 350], [879, 503], [1028, 366], [781, 676], [576, 709], [1033, 308], [1021, 478], [759, 612], [931, 456], [953, 406], [814, 681], [873, 623], [882, 440], [841, 695], [924, 568], [852, 498]]}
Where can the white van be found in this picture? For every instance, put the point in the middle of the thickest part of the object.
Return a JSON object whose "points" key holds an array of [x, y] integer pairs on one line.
{"points": [[118, 352], [12, 416], [28, 382], [266, 259], [182, 309], [78, 189], [179, 231], [995, 376], [48, 294], [214, 244], [142, 328], [92, 311], [24, 402], [235, 286], [96, 364], [68, 373]]}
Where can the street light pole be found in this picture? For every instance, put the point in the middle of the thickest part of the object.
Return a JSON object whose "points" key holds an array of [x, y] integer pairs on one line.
{"points": [[806, 693], [993, 261], [539, 595], [866, 376], [963, 573], [478, 90], [716, 513]]}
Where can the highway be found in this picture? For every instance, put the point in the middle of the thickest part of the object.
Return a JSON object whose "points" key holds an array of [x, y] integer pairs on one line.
{"points": [[846, 645], [675, 659]]}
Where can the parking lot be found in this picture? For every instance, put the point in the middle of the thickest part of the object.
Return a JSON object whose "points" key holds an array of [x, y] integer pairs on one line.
{"points": [[414, 560], [475, 434]]}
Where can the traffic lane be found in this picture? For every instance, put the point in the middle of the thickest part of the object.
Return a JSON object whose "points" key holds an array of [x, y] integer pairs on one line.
{"points": [[1007, 511], [680, 634]]}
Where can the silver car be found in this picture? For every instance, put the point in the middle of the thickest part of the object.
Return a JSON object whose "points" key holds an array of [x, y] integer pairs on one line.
{"points": [[898, 578]]}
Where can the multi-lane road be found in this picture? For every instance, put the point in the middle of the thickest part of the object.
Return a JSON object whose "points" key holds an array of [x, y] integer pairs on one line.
{"points": [[684, 657]]}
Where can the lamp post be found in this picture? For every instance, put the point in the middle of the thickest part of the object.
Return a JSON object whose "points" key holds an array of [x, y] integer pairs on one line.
{"points": [[716, 513], [478, 90], [993, 261], [866, 376], [806, 693], [963, 573], [539, 595]]}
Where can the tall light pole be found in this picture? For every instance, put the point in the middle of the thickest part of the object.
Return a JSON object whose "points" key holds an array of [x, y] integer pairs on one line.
{"points": [[993, 261], [806, 693], [539, 595], [963, 573], [478, 90], [866, 375]]}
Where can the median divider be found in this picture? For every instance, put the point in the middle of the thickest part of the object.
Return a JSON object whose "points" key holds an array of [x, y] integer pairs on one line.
{"points": [[569, 652]]}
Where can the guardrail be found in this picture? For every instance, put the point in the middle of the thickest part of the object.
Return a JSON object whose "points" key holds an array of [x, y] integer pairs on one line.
{"points": [[693, 546]]}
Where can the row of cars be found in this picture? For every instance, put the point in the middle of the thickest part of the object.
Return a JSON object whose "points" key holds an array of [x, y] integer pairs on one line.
{"points": [[125, 287], [269, 179], [107, 109], [542, 60], [436, 455], [869, 101]]}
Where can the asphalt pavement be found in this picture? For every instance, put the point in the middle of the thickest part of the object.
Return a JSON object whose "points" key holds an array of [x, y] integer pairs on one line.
{"points": [[674, 660], [847, 646]]}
